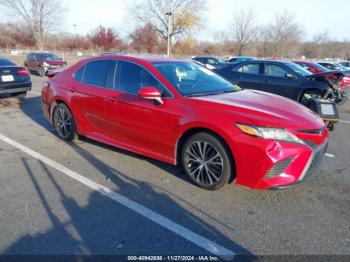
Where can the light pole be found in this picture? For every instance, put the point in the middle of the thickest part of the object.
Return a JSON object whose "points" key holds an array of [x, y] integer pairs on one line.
{"points": [[169, 14], [75, 37]]}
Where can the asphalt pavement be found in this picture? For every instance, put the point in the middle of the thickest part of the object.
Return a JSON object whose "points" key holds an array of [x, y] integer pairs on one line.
{"points": [[60, 198]]}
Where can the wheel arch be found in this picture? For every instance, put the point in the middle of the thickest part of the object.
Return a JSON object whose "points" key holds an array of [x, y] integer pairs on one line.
{"points": [[58, 101], [199, 129]]}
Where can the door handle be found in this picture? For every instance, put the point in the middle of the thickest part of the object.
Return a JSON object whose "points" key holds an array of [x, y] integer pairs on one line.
{"points": [[71, 89], [112, 98]]}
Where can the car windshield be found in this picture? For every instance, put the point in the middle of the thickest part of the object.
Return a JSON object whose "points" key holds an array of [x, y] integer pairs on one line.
{"points": [[6, 62], [49, 57], [340, 66], [320, 67], [191, 79], [299, 69]]}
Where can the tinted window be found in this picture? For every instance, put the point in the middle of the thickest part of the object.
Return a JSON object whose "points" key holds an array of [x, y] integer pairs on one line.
{"points": [[5, 62], [202, 60], [96, 73], [249, 69], [275, 70], [298, 69], [49, 57], [212, 61], [79, 74], [132, 77]]}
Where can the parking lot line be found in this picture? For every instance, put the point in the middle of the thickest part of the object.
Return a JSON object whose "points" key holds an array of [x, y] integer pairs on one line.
{"points": [[330, 155], [343, 121], [195, 238]]}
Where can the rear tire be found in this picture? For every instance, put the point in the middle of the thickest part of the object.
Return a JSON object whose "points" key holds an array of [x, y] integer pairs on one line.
{"points": [[207, 161], [64, 123]]}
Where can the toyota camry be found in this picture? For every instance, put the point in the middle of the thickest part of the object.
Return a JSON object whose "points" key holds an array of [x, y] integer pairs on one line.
{"points": [[181, 113]]}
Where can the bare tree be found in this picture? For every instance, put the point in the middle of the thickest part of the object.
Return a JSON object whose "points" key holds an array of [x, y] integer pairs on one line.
{"points": [[243, 28], [42, 16], [283, 32], [185, 15]]}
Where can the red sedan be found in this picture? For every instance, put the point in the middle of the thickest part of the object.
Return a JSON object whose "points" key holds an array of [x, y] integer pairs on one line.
{"points": [[181, 113], [318, 69]]}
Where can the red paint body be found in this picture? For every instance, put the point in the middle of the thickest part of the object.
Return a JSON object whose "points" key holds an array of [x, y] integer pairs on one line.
{"points": [[154, 130]]}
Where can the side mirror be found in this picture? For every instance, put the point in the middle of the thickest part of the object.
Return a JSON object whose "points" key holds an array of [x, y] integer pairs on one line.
{"points": [[289, 76], [151, 93]]}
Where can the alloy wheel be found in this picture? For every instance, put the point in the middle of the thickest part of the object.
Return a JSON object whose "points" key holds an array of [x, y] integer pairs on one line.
{"points": [[204, 163], [63, 123]]}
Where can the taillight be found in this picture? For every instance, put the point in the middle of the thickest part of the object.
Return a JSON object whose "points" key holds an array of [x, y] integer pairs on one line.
{"points": [[22, 72]]}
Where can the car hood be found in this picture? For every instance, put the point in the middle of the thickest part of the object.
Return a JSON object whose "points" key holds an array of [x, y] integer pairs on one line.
{"points": [[265, 109]]}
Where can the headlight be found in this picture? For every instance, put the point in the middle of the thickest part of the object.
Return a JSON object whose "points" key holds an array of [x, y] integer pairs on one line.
{"points": [[46, 64], [269, 133]]}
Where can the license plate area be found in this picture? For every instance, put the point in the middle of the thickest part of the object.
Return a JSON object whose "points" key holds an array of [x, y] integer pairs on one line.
{"points": [[7, 78], [327, 109]]}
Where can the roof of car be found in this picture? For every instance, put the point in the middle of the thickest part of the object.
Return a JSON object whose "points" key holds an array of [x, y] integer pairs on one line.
{"points": [[193, 57], [149, 59]]}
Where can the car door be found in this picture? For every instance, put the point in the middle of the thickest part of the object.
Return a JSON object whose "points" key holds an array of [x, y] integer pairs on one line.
{"points": [[92, 86], [280, 80], [136, 123], [248, 76]]}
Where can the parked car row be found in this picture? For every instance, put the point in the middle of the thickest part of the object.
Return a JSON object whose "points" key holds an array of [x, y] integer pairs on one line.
{"points": [[180, 112], [15, 80]]}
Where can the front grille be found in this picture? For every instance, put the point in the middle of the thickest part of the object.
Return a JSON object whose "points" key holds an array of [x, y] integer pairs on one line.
{"points": [[310, 144], [317, 162], [279, 168]]}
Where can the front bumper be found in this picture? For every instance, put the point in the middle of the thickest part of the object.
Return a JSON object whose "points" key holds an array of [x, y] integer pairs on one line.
{"points": [[52, 67], [314, 165], [267, 164]]}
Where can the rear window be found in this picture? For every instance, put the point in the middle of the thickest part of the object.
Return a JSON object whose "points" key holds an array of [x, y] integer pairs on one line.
{"points": [[79, 74], [6, 62], [96, 73]]}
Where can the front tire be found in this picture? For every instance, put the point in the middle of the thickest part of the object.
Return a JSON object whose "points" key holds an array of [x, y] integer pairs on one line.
{"points": [[207, 161], [64, 123]]}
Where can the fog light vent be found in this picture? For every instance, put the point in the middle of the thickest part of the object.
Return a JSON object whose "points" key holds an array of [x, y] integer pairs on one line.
{"points": [[279, 168]]}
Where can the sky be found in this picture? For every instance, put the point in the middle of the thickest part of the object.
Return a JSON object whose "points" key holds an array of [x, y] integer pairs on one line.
{"points": [[313, 15]]}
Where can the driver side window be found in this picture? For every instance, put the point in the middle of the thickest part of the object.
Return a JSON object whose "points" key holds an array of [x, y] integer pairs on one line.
{"points": [[131, 77], [275, 70]]}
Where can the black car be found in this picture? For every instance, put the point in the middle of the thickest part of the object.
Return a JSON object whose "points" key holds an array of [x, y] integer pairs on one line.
{"points": [[210, 62], [239, 59], [14, 80], [282, 78]]}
